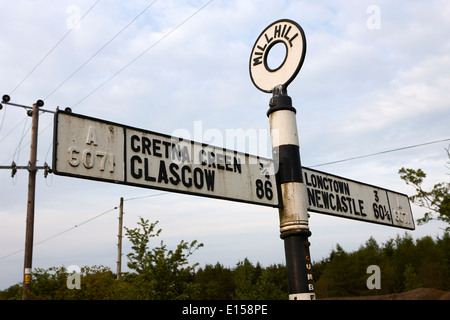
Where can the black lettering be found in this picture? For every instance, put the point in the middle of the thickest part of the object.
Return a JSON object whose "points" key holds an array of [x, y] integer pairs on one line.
{"points": [[156, 148], [336, 186], [344, 205], [361, 208], [338, 203], [349, 203], [173, 167], [135, 174], [267, 38], [237, 165], [311, 198], [284, 29], [187, 183], [147, 176], [176, 153], [306, 180], [162, 175], [325, 198], [198, 178], [292, 39], [209, 177], [257, 60], [166, 148], [285, 35], [220, 162], [333, 207], [146, 143], [341, 187], [228, 163], [320, 182], [277, 31], [200, 156], [185, 154], [325, 183], [314, 180], [317, 194], [346, 189], [357, 213], [133, 146], [211, 159]]}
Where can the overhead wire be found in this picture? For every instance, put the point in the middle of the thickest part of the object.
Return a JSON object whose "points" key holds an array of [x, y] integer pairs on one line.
{"points": [[14, 128], [99, 50], [20, 146], [54, 47], [142, 53], [82, 223], [379, 153], [164, 193]]}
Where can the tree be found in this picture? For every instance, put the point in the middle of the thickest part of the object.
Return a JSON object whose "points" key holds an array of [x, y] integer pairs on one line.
{"points": [[161, 273], [436, 201]]}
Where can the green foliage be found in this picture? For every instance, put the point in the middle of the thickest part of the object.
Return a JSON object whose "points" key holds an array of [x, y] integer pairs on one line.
{"points": [[159, 273], [437, 200], [405, 264]]}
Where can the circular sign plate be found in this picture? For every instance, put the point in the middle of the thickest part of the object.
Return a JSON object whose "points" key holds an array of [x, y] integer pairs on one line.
{"points": [[286, 32]]}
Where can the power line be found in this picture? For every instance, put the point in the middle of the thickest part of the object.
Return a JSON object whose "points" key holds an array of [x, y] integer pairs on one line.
{"points": [[22, 147], [82, 223], [24, 119], [381, 152], [150, 196], [52, 49], [142, 53], [98, 51]]}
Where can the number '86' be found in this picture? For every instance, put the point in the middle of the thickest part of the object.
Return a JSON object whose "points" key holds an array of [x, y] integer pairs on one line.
{"points": [[264, 189]]}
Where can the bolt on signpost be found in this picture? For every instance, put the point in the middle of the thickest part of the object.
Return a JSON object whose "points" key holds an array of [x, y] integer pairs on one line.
{"points": [[294, 229]]}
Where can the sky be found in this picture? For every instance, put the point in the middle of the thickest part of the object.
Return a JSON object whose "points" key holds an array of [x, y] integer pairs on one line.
{"points": [[375, 78]]}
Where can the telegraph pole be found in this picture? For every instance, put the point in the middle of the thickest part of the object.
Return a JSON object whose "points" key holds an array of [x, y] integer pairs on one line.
{"points": [[32, 169], [119, 242], [26, 287]]}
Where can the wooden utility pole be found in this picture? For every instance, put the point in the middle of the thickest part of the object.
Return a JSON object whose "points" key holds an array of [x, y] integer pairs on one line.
{"points": [[119, 242], [26, 287]]}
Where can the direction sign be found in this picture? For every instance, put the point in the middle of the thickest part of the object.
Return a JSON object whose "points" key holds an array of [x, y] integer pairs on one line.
{"points": [[90, 148], [330, 194], [282, 32]]}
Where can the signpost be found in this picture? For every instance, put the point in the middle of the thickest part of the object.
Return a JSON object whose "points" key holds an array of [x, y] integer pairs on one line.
{"points": [[294, 229], [95, 149], [337, 196], [304, 189]]}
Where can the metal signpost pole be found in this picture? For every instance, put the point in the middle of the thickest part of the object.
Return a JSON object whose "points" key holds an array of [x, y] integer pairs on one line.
{"points": [[294, 229]]}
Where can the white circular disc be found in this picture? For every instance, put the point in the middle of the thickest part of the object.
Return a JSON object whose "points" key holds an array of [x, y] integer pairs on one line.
{"points": [[292, 36]]}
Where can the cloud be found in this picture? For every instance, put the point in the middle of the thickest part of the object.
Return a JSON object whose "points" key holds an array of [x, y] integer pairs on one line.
{"points": [[411, 95], [360, 91]]}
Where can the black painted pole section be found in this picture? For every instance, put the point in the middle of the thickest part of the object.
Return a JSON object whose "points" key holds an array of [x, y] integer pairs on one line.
{"points": [[294, 229]]}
